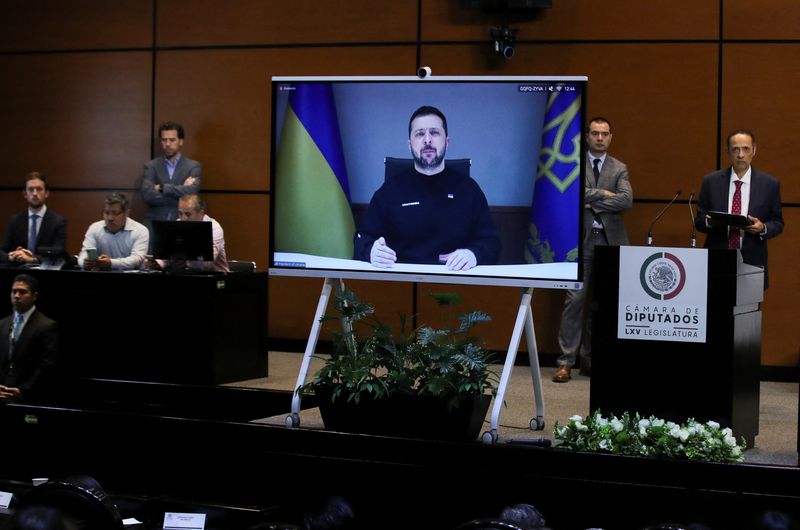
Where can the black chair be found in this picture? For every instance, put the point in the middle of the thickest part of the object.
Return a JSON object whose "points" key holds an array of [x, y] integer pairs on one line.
{"points": [[80, 499], [397, 166], [241, 266]]}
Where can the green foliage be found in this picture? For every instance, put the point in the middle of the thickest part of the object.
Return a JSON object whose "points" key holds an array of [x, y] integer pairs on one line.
{"points": [[637, 436], [369, 359]]}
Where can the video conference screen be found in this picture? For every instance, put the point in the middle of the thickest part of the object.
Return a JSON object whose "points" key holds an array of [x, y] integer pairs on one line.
{"points": [[483, 186]]}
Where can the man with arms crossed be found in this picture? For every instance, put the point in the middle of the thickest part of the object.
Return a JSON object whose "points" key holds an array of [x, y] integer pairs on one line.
{"points": [[744, 190], [168, 178], [607, 195], [432, 214]]}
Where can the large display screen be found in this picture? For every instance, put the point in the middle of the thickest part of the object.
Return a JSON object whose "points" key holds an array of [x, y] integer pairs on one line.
{"points": [[482, 186]]}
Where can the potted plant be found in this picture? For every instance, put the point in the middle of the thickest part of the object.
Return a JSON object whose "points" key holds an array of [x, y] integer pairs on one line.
{"points": [[425, 383]]}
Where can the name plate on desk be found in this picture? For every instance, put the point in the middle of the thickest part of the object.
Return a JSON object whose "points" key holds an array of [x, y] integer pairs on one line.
{"points": [[182, 521], [662, 294], [5, 499]]}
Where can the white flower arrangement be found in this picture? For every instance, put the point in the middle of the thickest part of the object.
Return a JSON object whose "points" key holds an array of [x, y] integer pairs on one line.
{"points": [[637, 436]]}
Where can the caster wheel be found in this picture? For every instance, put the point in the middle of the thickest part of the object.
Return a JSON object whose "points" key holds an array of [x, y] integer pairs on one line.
{"points": [[537, 424], [489, 437], [293, 420]]}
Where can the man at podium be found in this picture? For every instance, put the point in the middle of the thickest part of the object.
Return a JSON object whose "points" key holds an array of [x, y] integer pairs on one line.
{"points": [[752, 196]]}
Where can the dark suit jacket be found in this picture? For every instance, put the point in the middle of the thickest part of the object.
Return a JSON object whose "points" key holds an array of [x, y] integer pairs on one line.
{"points": [[613, 177], [164, 204], [34, 356], [52, 232], [765, 204]]}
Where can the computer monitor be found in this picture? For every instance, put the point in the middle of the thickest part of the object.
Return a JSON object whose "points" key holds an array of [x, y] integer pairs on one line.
{"points": [[182, 240]]}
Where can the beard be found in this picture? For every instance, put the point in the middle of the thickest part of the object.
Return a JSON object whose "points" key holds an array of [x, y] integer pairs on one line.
{"points": [[435, 162]]}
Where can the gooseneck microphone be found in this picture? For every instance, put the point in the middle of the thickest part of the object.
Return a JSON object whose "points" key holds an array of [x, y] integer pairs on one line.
{"points": [[650, 230], [691, 217]]}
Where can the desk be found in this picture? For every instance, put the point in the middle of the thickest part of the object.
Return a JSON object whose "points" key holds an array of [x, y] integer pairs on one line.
{"points": [[194, 329]]}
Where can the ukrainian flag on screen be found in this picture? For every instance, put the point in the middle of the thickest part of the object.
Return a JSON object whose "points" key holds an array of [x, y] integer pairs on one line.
{"points": [[553, 231], [312, 194]]}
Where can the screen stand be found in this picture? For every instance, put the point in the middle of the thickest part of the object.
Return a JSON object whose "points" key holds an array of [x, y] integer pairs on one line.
{"points": [[293, 419], [524, 322]]}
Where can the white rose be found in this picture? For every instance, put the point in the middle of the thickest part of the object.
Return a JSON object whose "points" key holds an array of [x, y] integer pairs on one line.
{"points": [[581, 427], [617, 425], [658, 423], [604, 444], [644, 423], [683, 434], [713, 424], [727, 431], [675, 431], [601, 421], [576, 418], [730, 441], [736, 451]]}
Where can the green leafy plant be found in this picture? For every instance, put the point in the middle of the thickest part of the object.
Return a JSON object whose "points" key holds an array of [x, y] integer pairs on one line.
{"points": [[368, 359], [638, 436]]}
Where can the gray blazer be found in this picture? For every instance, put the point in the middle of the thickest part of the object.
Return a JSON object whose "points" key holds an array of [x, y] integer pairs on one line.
{"points": [[613, 177], [164, 204]]}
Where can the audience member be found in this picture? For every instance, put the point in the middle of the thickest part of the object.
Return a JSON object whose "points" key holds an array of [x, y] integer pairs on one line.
{"points": [[28, 344], [336, 514], [193, 209], [37, 518], [526, 516], [117, 242], [37, 228], [169, 177], [775, 520]]}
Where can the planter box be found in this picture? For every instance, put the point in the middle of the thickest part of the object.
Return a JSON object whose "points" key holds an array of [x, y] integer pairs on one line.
{"points": [[405, 416]]}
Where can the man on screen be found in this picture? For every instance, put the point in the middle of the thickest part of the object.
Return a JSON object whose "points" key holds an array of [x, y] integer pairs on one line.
{"points": [[607, 194], [744, 190], [431, 214]]}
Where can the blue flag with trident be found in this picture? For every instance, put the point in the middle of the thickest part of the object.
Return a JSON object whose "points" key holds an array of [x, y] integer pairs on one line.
{"points": [[553, 230]]}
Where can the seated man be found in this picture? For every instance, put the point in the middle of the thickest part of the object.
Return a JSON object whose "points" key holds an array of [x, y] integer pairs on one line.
{"points": [[28, 343], [192, 208], [117, 242], [37, 227], [431, 215]]}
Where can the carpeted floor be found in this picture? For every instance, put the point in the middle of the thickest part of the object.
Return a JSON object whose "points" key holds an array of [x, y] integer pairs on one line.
{"points": [[776, 443]]}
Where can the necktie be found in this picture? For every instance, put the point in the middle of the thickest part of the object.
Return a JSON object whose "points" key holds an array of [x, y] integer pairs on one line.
{"points": [[734, 241], [596, 170], [15, 330], [32, 234]]}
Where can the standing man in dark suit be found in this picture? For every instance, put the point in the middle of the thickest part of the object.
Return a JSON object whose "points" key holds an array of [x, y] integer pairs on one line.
{"points": [[607, 195], [28, 344], [169, 177], [745, 190], [36, 228]]}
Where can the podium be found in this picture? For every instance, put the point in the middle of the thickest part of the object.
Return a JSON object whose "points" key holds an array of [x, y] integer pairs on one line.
{"points": [[713, 380]]}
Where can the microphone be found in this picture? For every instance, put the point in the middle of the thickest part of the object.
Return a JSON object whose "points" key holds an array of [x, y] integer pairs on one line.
{"points": [[650, 230], [691, 217]]}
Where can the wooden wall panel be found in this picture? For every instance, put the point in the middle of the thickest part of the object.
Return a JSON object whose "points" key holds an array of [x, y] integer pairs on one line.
{"points": [[82, 119], [664, 124], [226, 112], [210, 22], [779, 334], [245, 220], [77, 24], [293, 302], [760, 82], [766, 19], [578, 20]]}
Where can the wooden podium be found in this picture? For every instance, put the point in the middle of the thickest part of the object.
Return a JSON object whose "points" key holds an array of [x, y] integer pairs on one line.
{"points": [[715, 380]]}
